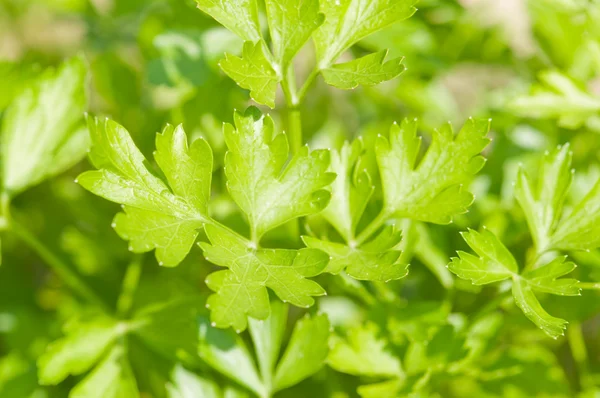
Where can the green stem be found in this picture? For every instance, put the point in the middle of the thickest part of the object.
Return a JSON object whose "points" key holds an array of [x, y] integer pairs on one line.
{"points": [[371, 228], [579, 352], [307, 83], [70, 277], [130, 284], [294, 126], [589, 285]]}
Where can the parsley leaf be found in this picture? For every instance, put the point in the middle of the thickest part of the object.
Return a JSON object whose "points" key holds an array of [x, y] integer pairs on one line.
{"points": [[558, 97], [369, 70], [363, 353], [267, 189], [495, 263], [156, 216], [84, 344], [432, 189], [113, 378], [241, 290], [543, 205], [543, 202], [253, 71], [376, 260], [291, 23], [239, 16], [43, 132], [348, 21]]}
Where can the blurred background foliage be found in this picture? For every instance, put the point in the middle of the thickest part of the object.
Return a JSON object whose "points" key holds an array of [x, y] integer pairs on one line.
{"points": [[532, 66]]}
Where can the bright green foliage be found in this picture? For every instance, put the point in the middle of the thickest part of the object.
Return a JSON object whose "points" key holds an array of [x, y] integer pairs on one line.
{"points": [[363, 353], [84, 344], [348, 21], [156, 215], [350, 191], [291, 23], [267, 189], [369, 70], [241, 290], [543, 205], [558, 97], [376, 260], [450, 162], [304, 355], [254, 72], [43, 132], [496, 263], [543, 202]]}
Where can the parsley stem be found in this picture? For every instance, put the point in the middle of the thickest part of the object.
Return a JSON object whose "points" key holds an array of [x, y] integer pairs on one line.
{"points": [[129, 286], [579, 352], [70, 277], [589, 285], [307, 83]]}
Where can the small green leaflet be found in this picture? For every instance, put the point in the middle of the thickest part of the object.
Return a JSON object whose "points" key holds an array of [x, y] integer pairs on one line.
{"points": [[369, 70], [254, 72], [558, 97], [239, 16], [450, 162], [543, 205], [241, 291], [543, 202], [304, 355], [348, 21], [350, 191], [376, 260], [43, 130], [267, 189], [291, 23], [156, 216], [495, 263]]}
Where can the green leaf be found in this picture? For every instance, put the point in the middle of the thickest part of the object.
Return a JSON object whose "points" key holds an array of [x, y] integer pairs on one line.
{"points": [[113, 378], [369, 70], [531, 307], [156, 215], [376, 260], [543, 279], [268, 188], [495, 263], [350, 191], [241, 290], [254, 72], [363, 353], [543, 203], [267, 336], [580, 230], [305, 353], [74, 354], [225, 352], [348, 21], [43, 132], [186, 384], [558, 97], [169, 328], [239, 16], [291, 23], [431, 190]]}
